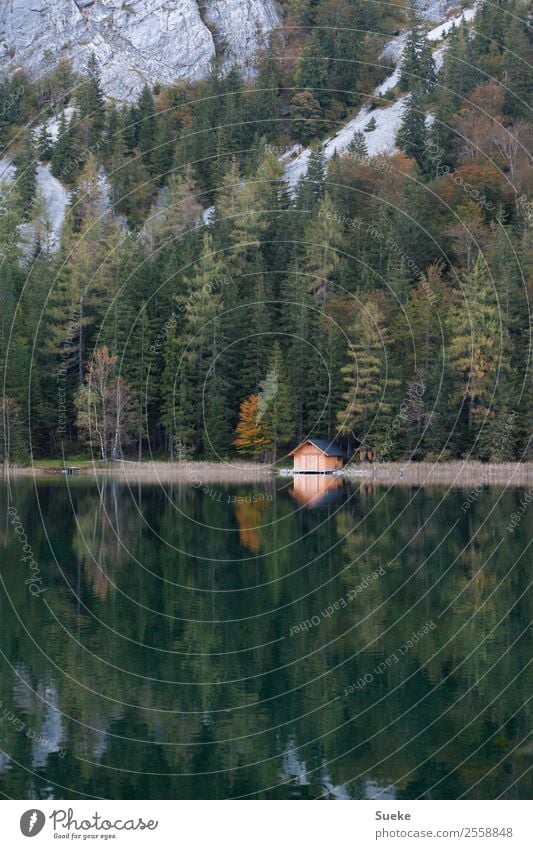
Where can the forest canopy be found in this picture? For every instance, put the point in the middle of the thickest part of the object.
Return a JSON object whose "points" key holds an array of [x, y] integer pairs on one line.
{"points": [[194, 304]]}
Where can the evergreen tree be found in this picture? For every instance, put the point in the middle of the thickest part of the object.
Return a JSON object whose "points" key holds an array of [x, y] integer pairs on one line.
{"points": [[162, 155], [412, 135], [358, 148], [91, 105], [369, 385], [418, 67], [200, 305], [67, 157], [312, 72], [11, 433], [11, 102], [264, 101], [26, 175], [44, 143], [276, 413], [479, 353], [517, 69], [146, 124], [311, 187], [176, 390], [217, 417], [307, 116]]}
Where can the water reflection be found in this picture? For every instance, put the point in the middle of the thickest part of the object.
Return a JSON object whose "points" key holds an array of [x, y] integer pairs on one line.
{"points": [[316, 490]]}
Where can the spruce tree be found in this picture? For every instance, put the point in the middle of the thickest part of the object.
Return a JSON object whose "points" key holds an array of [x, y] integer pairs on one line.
{"points": [[307, 116], [412, 135], [26, 174], [44, 143], [264, 107], [418, 67], [146, 124], [479, 351], [367, 412], [276, 411], [91, 104], [358, 148], [517, 67], [311, 186], [217, 435], [311, 70]]}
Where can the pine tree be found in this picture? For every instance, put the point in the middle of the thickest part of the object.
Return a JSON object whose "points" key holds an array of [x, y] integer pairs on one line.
{"points": [[311, 70], [367, 411], [200, 305], [11, 102], [91, 105], [479, 350], [264, 107], [217, 417], [67, 157], [459, 73], [320, 255], [412, 135], [418, 67], [517, 67], [300, 321], [112, 131], [358, 148], [147, 124], [44, 143], [26, 175], [307, 116], [130, 183], [177, 411], [162, 155], [410, 68], [276, 413], [11, 432], [340, 40], [90, 258], [311, 186]]}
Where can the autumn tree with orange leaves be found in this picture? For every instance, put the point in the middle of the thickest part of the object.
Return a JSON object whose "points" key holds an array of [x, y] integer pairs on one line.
{"points": [[251, 438]]}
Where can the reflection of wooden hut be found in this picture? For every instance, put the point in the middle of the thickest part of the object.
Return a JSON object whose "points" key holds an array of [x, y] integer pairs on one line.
{"points": [[318, 456], [315, 490]]}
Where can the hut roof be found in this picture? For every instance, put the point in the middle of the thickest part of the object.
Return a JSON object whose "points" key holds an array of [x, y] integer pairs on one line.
{"points": [[329, 448]]}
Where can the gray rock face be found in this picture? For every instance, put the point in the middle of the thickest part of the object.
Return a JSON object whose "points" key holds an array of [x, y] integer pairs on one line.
{"points": [[135, 42]]}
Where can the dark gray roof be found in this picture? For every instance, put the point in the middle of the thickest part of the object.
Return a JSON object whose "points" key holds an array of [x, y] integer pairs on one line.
{"points": [[331, 449]]}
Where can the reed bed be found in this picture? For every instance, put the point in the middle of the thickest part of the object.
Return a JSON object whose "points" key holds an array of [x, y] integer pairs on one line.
{"points": [[195, 473], [466, 474]]}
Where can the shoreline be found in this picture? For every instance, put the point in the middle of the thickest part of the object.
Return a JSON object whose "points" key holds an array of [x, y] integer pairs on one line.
{"points": [[457, 473]]}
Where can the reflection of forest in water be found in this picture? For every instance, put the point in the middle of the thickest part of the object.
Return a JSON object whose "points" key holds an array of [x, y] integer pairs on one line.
{"points": [[164, 638]]}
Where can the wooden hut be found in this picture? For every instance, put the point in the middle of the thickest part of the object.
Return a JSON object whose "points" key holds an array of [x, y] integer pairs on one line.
{"points": [[317, 456]]}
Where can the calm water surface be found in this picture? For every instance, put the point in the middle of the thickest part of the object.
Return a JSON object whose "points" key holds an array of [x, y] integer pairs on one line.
{"points": [[274, 642]]}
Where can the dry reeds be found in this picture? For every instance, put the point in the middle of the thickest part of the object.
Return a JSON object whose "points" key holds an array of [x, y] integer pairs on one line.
{"points": [[195, 473], [467, 473]]}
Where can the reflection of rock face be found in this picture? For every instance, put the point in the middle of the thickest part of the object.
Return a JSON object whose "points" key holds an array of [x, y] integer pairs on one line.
{"points": [[315, 490], [135, 42]]}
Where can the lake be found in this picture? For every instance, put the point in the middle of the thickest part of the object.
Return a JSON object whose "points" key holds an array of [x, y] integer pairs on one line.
{"points": [[289, 640]]}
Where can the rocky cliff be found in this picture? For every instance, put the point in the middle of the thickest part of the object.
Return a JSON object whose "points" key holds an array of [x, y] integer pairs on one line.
{"points": [[137, 41]]}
